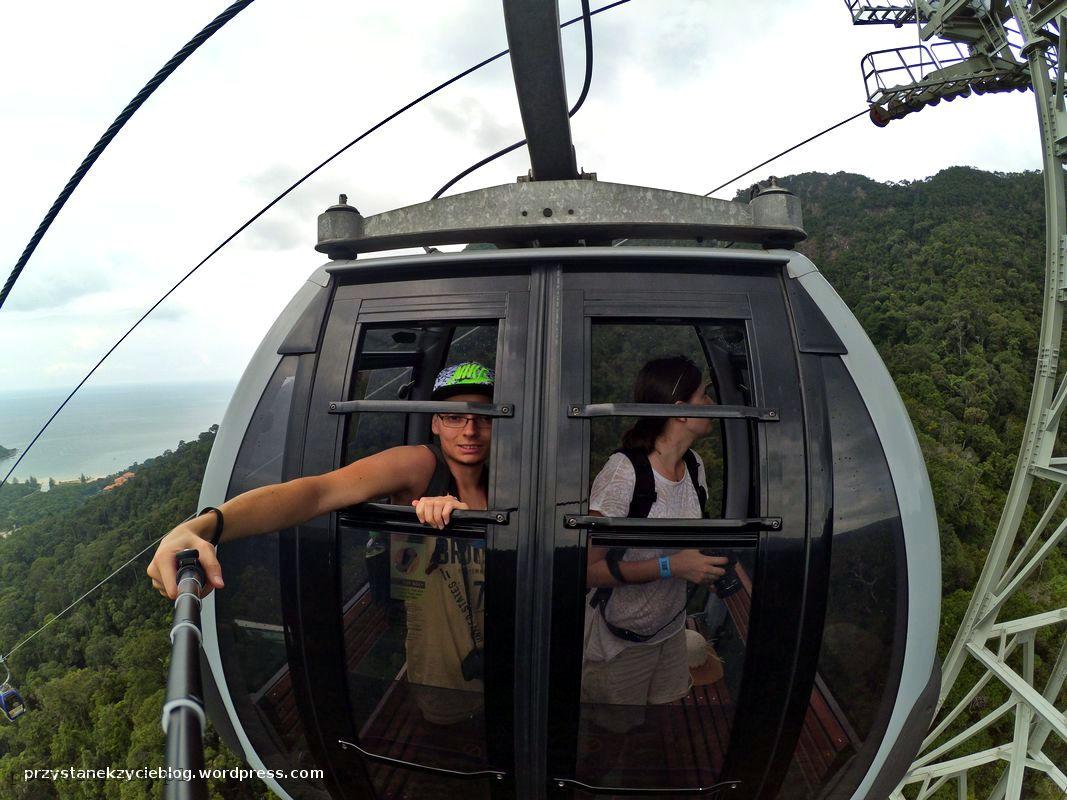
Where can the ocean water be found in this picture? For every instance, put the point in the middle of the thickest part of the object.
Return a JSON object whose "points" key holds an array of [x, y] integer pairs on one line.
{"points": [[105, 429]]}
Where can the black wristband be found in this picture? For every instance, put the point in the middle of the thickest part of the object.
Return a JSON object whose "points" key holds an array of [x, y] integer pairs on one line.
{"points": [[219, 522], [612, 560]]}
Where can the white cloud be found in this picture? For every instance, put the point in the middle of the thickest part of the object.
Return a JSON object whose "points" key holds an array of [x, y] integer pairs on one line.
{"points": [[470, 119]]}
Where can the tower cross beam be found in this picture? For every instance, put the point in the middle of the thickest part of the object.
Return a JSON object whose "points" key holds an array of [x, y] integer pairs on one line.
{"points": [[996, 602], [1029, 623], [966, 734], [1010, 678], [956, 765]]}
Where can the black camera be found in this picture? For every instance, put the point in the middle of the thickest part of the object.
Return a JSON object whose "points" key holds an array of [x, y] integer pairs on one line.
{"points": [[729, 584], [472, 666]]}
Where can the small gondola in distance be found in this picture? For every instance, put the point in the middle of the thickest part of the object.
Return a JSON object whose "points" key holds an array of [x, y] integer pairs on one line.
{"points": [[12, 706]]}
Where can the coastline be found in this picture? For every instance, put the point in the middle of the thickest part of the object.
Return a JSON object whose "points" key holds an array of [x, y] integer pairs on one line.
{"points": [[104, 430]]}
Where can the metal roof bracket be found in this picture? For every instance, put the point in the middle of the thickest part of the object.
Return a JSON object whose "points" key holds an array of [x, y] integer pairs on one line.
{"points": [[550, 212]]}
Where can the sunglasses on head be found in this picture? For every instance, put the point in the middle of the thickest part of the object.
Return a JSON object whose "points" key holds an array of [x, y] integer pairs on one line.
{"points": [[709, 387]]}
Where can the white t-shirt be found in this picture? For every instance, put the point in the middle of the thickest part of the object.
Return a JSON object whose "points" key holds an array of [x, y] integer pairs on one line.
{"points": [[640, 607]]}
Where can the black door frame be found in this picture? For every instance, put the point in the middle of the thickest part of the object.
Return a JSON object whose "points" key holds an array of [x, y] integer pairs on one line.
{"points": [[765, 724], [310, 551]]}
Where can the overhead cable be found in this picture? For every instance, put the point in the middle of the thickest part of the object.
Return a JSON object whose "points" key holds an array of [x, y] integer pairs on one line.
{"points": [[112, 131], [787, 151], [263, 211], [86, 594], [587, 17], [773, 158]]}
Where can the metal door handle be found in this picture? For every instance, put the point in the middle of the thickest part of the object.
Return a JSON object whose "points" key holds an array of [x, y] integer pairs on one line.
{"points": [[396, 762], [747, 524], [407, 514], [715, 790]]}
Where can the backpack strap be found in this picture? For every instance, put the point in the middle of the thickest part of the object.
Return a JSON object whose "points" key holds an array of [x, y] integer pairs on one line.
{"points": [[644, 495], [693, 468]]}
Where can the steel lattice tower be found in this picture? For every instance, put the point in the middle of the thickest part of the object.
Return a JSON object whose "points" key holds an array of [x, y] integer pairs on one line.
{"points": [[990, 686]]}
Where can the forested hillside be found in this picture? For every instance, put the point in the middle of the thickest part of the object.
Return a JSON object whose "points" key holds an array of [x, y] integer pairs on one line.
{"points": [[94, 680], [946, 276]]}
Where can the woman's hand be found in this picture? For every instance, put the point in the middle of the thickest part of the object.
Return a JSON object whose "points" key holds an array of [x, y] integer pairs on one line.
{"points": [[695, 567], [163, 569], [437, 511]]}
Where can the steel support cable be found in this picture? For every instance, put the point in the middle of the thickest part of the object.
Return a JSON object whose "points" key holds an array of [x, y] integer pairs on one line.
{"points": [[787, 151], [259, 214], [131, 108], [68, 608], [587, 17]]}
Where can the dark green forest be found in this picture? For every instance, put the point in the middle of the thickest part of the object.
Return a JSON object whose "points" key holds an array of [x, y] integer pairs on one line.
{"points": [[94, 680], [946, 276]]}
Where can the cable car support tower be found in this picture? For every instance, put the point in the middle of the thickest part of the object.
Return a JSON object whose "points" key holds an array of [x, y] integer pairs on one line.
{"points": [[978, 46]]}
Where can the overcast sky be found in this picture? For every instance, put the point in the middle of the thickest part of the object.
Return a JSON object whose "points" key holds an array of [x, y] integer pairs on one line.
{"points": [[685, 94]]}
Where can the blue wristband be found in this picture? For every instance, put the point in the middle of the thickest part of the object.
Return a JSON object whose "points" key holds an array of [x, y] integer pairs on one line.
{"points": [[664, 567]]}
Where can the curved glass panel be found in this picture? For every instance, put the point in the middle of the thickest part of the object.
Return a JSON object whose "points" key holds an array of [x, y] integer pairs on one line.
{"points": [[620, 349], [866, 615], [659, 713], [249, 614], [414, 632], [413, 604], [259, 461], [662, 659]]}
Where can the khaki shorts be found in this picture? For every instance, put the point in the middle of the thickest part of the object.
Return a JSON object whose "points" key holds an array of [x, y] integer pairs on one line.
{"points": [[640, 675]]}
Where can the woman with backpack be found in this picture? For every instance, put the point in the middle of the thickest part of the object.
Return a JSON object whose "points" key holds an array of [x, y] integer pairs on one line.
{"points": [[635, 646]]}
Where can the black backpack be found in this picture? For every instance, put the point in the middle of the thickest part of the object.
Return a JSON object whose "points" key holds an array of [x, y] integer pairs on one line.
{"points": [[641, 502]]}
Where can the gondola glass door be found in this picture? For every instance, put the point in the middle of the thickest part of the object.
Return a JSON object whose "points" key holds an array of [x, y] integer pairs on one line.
{"points": [[408, 629], [673, 687]]}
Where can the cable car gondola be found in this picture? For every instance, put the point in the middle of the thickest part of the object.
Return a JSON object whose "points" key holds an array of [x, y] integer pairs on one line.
{"points": [[830, 672], [12, 706], [818, 491]]}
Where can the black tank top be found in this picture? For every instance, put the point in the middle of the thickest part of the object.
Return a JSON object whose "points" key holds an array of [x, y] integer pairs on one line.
{"points": [[442, 481]]}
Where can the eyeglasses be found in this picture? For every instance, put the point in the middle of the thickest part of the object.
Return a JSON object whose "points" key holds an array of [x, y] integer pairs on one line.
{"points": [[461, 420]]}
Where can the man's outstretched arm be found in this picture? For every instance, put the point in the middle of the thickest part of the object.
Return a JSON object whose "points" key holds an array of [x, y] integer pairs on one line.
{"points": [[283, 505]]}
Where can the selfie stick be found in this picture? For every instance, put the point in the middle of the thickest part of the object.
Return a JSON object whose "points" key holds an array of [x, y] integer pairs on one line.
{"points": [[183, 708]]}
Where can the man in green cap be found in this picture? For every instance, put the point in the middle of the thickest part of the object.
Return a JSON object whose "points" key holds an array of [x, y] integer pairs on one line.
{"points": [[444, 628]]}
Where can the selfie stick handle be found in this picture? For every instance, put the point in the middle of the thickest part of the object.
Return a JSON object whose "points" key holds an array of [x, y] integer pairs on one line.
{"points": [[183, 709]]}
